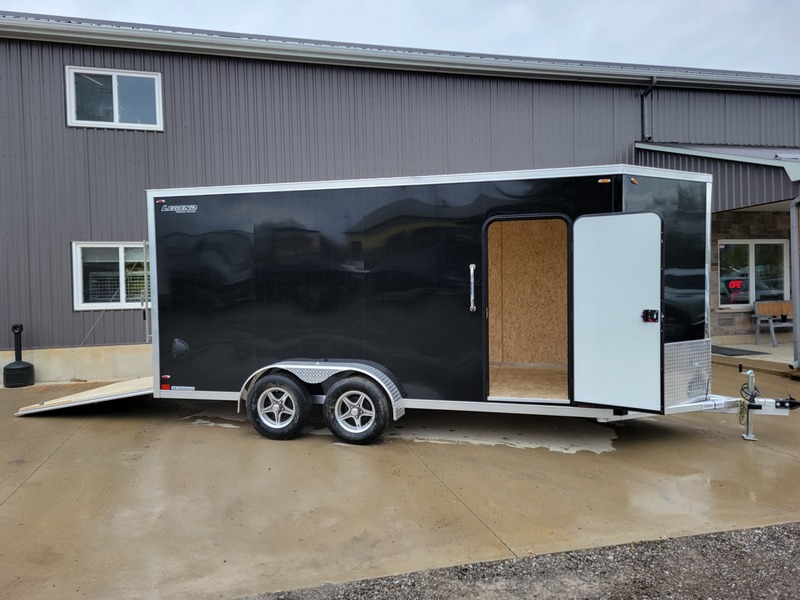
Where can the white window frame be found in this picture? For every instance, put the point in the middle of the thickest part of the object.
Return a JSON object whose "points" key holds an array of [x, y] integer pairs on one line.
{"points": [[751, 259], [73, 121], [77, 276]]}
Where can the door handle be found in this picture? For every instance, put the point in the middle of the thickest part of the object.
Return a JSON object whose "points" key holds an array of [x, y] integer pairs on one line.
{"points": [[472, 288]]}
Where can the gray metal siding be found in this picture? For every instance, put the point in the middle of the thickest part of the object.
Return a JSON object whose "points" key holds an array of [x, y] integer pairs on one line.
{"points": [[235, 121], [725, 118]]}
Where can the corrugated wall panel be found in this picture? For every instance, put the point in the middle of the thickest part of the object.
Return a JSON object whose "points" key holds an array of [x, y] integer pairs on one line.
{"points": [[730, 118], [235, 121], [13, 213]]}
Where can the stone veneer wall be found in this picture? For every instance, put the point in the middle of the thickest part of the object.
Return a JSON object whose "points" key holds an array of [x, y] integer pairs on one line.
{"points": [[739, 225]]}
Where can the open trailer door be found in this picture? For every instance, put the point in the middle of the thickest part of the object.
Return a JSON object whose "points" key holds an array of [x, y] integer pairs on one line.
{"points": [[617, 305]]}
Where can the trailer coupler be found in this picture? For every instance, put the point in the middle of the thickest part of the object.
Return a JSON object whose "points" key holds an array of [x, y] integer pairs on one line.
{"points": [[789, 403], [749, 403]]}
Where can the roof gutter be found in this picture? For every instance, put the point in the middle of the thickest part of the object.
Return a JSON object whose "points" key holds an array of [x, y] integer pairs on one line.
{"points": [[150, 37]]}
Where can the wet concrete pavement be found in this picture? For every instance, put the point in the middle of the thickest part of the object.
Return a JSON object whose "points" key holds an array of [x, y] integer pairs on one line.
{"points": [[150, 499]]}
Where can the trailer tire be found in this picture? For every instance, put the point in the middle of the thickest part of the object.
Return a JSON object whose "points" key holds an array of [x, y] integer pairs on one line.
{"points": [[356, 410], [278, 406]]}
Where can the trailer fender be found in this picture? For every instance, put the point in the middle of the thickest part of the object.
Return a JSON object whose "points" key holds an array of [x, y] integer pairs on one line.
{"points": [[319, 371]]}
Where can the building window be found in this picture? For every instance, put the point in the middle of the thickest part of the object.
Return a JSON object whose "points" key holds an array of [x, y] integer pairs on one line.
{"points": [[114, 99], [107, 275], [752, 270]]}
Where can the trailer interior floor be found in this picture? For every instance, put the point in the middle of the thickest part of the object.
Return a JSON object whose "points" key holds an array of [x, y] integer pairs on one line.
{"points": [[514, 380]]}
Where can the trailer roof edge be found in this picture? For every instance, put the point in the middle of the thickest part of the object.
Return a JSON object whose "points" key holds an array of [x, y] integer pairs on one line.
{"points": [[415, 180]]}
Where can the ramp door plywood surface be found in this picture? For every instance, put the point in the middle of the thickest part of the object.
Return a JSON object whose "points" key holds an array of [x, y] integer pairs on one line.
{"points": [[114, 391]]}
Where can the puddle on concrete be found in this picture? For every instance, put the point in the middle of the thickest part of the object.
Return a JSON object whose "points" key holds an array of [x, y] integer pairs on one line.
{"points": [[557, 434], [573, 440], [218, 415], [567, 436], [214, 424]]}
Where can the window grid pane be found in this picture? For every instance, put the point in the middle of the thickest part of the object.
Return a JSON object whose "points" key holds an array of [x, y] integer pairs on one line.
{"points": [[136, 99], [94, 97], [103, 287], [100, 274], [135, 274], [100, 269], [769, 272]]}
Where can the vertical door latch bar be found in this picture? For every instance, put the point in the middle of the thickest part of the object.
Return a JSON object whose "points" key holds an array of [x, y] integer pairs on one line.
{"points": [[472, 288]]}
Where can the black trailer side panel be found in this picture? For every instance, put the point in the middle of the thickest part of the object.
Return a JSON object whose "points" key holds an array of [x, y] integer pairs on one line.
{"points": [[205, 291], [683, 207], [378, 274], [367, 273]]}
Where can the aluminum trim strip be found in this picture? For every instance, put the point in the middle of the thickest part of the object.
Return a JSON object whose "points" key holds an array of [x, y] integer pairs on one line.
{"points": [[598, 170], [529, 400], [198, 395], [513, 408]]}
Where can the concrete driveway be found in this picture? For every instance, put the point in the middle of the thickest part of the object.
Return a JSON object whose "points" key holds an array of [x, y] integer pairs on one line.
{"points": [[154, 499]]}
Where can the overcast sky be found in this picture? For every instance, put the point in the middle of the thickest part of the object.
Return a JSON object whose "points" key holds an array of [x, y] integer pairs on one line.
{"points": [[740, 35]]}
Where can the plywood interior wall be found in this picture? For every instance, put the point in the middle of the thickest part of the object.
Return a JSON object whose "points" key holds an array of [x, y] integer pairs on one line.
{"points": [[528, 292]]}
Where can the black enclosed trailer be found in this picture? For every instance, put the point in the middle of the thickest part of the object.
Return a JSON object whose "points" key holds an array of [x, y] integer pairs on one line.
{"points": [[577, 291]]}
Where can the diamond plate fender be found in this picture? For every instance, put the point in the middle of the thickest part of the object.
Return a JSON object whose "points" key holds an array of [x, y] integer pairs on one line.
{"points": [[318, 371]]}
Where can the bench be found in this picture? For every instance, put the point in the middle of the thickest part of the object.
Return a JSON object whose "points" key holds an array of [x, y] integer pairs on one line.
{"points": [[775, 314]]}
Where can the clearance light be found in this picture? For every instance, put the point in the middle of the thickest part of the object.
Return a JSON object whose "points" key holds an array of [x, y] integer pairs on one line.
{"points": [[634, 181], [603, 181]]}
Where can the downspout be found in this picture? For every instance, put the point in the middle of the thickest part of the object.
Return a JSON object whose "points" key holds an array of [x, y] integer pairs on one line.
{"points": [[794, 259], [647, 117]]}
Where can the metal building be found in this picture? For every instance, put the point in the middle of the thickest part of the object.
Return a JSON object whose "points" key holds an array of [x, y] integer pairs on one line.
{"points": [[93, 113]]}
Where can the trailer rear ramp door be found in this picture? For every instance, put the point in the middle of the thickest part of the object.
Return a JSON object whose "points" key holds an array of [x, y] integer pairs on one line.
{"points": [[618, 292], [106, 393]]}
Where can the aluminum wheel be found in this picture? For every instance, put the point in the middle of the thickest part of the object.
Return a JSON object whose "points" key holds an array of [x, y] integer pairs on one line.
{"points": [[355, 412], [276, 407]]}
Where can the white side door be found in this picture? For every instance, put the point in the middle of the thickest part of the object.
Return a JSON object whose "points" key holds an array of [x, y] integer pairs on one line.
{"points": [[617, 300]]}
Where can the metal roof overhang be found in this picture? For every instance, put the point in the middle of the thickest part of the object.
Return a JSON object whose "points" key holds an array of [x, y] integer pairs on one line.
{"points": [[787, 159], [174, 39]]}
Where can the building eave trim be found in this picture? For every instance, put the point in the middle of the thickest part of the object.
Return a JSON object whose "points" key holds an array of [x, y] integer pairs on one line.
{"points": [[792, 169], [63, 30]]}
